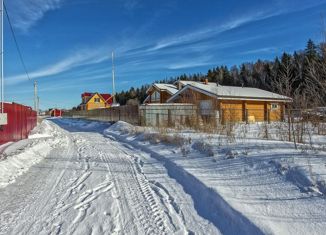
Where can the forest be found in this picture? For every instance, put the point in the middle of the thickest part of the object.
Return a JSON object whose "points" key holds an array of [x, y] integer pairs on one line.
{"points": [[301, 76]]}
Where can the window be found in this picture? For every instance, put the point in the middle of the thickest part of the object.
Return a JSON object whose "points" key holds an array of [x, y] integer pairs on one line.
{"points": [[156, 96], [274, 106], [97, 100]]}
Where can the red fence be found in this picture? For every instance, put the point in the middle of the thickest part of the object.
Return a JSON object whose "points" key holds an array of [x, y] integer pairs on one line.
{"points": [[21, 120]]}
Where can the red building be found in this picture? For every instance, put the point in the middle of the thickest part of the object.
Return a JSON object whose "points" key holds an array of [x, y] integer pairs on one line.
{"points": [[56, 113]]}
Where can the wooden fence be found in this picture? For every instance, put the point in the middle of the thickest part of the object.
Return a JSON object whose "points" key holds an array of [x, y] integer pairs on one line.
{"points": [[128, 113]]}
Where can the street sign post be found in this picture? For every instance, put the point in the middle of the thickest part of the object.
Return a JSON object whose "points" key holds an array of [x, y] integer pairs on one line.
{"points": [[3, 119]]}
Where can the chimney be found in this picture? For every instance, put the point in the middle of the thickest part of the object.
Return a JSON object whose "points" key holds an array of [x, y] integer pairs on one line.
{"points": [[179, 85], [206, 81]]}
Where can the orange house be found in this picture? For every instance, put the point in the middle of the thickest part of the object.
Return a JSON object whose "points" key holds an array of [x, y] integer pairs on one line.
{"points": [[95, 100]]}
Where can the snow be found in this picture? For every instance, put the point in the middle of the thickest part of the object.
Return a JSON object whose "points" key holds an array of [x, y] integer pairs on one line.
{"points": [[84, 177], [277, 188], [93, 184], [20, 156], [230, 92]]}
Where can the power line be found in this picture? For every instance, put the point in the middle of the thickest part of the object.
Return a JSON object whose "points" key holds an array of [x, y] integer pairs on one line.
{"points": [[16, 42]]}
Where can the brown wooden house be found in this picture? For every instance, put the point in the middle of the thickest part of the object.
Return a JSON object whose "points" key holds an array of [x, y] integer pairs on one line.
{"points": [[231, 104], [160, 93]]}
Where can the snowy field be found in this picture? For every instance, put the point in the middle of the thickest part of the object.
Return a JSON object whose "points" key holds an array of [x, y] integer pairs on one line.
{"points": [[84, 177]]}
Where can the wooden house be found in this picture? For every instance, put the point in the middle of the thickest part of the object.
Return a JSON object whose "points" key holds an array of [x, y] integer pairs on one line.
{"points": [[231, 104]]}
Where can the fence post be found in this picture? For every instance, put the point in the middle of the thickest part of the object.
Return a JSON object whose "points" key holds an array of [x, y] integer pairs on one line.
{"points": [[293, 133], [144, 117], [289, 125], [169, 118], [246, 116], [158, 120]]}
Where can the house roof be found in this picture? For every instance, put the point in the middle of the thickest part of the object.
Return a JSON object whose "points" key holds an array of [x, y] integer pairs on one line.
{"points": [[230, 92], [106, 97], [170, 88], [86, 94]]}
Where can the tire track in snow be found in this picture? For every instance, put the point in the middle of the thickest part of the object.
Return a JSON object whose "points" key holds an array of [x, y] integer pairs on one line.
{"points": [[33, 193], [84, 201], [38, 214], [179, 207], [208, 203], [143, 204], [95, 186], [172, 210]]}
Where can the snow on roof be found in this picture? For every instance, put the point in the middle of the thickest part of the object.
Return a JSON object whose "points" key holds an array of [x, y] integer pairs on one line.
{"points": [[230, 92], [170, 88]]}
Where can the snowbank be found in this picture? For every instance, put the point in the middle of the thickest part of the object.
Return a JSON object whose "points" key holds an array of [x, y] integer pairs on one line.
{"points": [[20, 156], [122, 127]]}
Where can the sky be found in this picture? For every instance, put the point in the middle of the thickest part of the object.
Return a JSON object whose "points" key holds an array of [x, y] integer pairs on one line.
{"points": [[67, 44]]}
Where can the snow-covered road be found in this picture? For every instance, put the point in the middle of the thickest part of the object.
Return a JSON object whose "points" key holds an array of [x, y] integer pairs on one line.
{"points": [[86, 183], [86, 177]]}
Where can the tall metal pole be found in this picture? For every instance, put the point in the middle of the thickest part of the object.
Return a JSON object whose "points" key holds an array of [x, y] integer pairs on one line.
{"points": [[113, 82], [38, 105], [2, 79]]}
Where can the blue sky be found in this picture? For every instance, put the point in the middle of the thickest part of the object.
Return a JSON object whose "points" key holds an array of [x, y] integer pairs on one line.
{"points": [[67, 44]]}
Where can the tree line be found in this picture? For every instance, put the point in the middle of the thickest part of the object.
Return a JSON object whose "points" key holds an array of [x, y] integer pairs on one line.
{"points": [[301, 76]]}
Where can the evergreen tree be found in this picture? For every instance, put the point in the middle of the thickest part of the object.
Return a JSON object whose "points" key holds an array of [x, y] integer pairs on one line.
{"points": [[302, 73], [244, 75], [311, 50]]}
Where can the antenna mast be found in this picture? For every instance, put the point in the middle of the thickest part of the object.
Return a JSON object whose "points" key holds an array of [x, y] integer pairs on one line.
{"points": [[113, 78], [3, 115], [35, 96]]}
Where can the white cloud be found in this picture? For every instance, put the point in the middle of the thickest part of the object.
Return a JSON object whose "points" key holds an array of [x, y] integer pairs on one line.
{"points": [[211, 31], [187, 64], [82, 57], [260, 50], [192, 63], [25, 14]]}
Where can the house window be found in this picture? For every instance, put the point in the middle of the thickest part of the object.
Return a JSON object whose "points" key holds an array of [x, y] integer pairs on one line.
{"points": [[156, 96], [274, 106], [97, 100]]}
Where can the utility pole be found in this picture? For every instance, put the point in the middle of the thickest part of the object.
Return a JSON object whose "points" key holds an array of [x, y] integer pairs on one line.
{"points": [[35, 96], [113, 82], [3, 115], [38, 105]]}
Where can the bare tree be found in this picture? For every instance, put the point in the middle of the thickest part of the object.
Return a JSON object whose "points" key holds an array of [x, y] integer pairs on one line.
{"points": [[316, 72], [316, 80]]}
